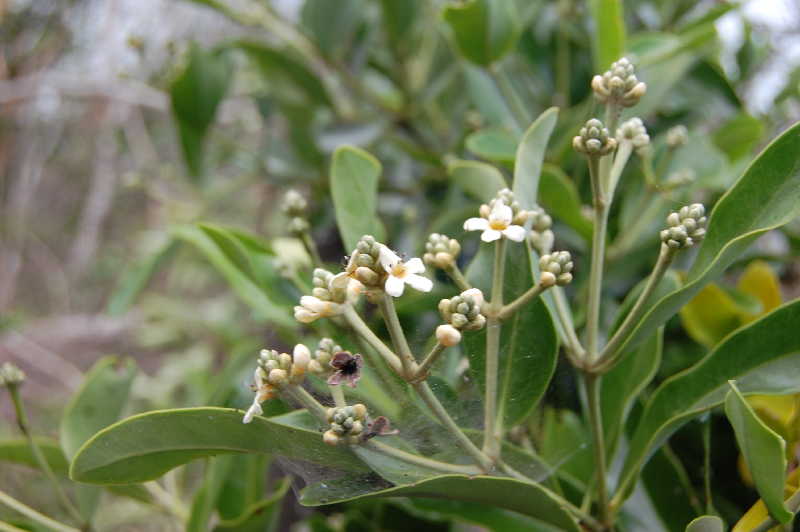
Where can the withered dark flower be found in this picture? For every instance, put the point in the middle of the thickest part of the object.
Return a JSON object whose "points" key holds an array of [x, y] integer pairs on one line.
{"points": [[348, 369], [379, 427]]}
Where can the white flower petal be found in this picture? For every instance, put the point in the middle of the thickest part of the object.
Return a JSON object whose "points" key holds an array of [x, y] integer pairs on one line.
{"points": [[303, 315], [490, 235], [388, 258], [394, 286], [301, 355], [515, 233], [418, 282], [415, 265], [254, 410], [476, 224], [313, 304], [501, 213]]}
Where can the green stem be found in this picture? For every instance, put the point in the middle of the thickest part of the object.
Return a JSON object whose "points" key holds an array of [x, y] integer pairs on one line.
{"points": [[386, 304], [428, 361], [427, 395], [707, 466], [621, 158], [592, 384], [8, 527], [492, 422], [299, 394], [792, 503], [311, 248], [575, 350], [508, 310], [361, 328], [610, 353], [598, 256], [454, 272], [22, 422], [417, 460], [32, 514], [338, 395]]}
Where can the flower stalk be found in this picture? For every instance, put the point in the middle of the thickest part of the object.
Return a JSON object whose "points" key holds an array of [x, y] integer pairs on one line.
{"points": [[493, 423]]}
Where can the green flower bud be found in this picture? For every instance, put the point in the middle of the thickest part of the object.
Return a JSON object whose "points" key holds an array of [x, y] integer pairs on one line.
{"points": [[364, 263], [633, 131], [556, 268], [346, 424], [464, 310], [323, 356], [541, 236], [619, 85], [677, 136], [11, 375], [594, 139], [441, 251], [685, 227], [294, 204]]}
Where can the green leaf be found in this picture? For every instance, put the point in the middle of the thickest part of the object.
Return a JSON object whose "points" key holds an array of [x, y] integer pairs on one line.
{"points": [[135, 278], [244, 485], [205, 499], [493, 144], [485, 516], [487, 97], [528, 340], [399, 19], [560, 198], [259, 516], [195, 95], [286, 76], [609, 32], [241, 281], [766, 197], [354, 187], [97, 404], [738, 136], [764, 357], [479, 180], [484, 30], [332, 24], [530, 157], [523, 497], [706, 523], [146, 446], [764, 452]]}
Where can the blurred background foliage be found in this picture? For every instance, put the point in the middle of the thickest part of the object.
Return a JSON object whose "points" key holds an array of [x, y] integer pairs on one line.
{"points": [[145, 147]]}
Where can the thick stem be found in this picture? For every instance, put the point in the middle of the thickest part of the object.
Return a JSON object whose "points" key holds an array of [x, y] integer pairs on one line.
{"points": [[428, 361], [414, 459], [508, 310], [610, 353], [427, 395], [491, 444], [399, 341], [33, 515], [454, 272], [22, 421], [361, 328], [592, 384], [598, 256]]}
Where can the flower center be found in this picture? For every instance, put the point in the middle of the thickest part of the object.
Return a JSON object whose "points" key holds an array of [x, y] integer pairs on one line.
{"points": [[399, 270], [498, 225]]}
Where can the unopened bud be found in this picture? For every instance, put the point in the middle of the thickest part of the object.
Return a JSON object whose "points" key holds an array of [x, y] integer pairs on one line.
{"points": [[677, 136], [619, 85], [686, 227], [447, 335], [594, 139]]}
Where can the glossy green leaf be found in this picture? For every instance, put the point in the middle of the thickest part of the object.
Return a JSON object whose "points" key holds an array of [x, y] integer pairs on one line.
{"points": [[98, 403], [739, 136], [146, 446], [764, 452], [528, 340], [559, 197], [493, 144], [242, 283], [523, 497], [354, 187], [195, 95], [609, 32], [484, 30], [567, 446], [706, 523], [765, 197], [286, 76], [530, 157], [479, 180], [764, 357], [260, 516]]}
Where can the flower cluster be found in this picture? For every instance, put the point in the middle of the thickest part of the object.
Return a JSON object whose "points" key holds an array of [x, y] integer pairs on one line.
{"points": [[321, 358], [686, 227], [619, 85], [346, 424], [330, 292], [376, 266], [502, 217], [594, 139], [633, 131], [294, 206], [677, 136], [556, 268], [541, 236], [274, 371], [462, 312], [441, 251]]}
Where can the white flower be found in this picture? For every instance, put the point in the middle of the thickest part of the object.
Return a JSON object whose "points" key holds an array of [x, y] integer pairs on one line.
{"points": [[402, 273], [312, 308], [263, 391], [497, 225]]}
